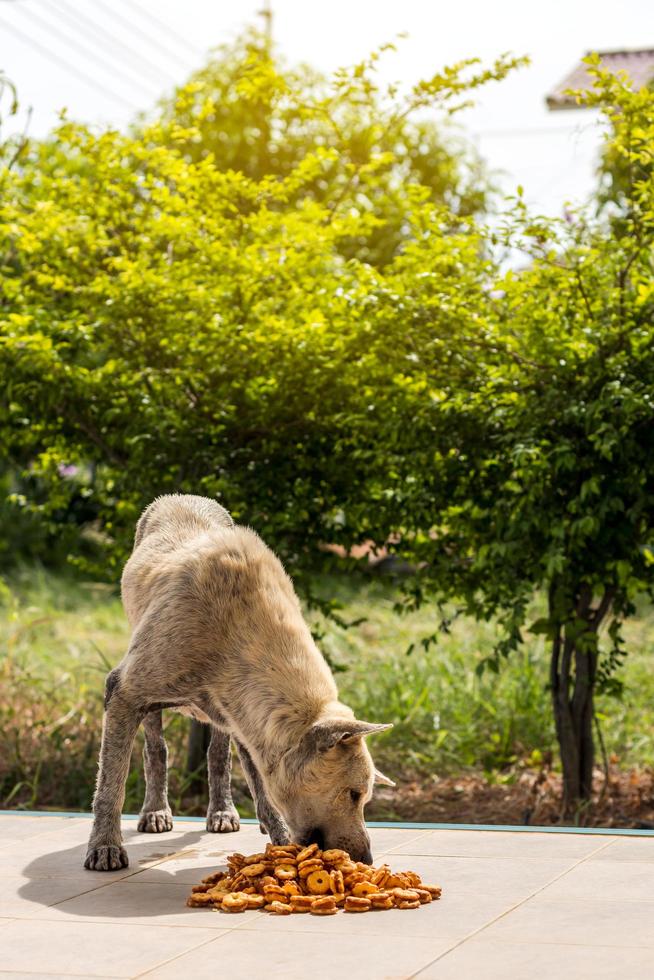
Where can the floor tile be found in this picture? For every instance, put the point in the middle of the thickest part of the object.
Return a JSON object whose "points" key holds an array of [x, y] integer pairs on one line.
{"points": [[145, 903], [386, 838], [100, 949], [186, 871], [490, 876], [532, 905], [589, 923], [21, 896], [521, 961], [61, 854], [628, 849], [50, 859], [632, 882], [15, 828], [309, 955], [492, 843]]}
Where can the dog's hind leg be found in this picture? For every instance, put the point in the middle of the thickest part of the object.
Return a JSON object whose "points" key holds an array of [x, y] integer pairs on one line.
{"points": [[156, 816], [121, 721], [222, 815], [270, 820]]}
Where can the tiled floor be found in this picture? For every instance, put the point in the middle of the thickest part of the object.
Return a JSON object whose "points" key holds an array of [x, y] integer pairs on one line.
{"points": [[515, 905]]}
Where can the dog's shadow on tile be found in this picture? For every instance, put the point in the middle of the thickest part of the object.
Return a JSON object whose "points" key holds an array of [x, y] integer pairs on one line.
{"points": [[89, 895]]}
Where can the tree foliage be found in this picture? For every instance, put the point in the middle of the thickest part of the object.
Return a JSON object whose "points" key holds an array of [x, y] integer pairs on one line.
{"points": [[172, 323], [545, 480], [252, 113]]}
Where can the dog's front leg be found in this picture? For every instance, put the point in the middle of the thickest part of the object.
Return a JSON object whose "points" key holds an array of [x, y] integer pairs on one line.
{"points": [[121, 721], [156, 816], [222, 815], [269, 819]]}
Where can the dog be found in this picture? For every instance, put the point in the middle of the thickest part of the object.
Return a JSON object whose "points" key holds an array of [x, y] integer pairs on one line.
{"points": [[218, 633]]}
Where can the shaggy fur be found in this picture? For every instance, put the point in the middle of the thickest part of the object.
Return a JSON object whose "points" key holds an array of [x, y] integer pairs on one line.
{"points": [[218, 633]]}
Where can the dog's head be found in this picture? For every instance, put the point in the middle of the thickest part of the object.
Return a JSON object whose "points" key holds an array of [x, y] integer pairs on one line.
{"points": [[325, 783]]}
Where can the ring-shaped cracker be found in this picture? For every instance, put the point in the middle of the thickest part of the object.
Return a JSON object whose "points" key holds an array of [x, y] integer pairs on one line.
{"points": [[319, 882], [323, 906], [308, 852], [253, 870], [381, 901], [278, 908], [235, 902], [301, 903], [336, 882], [364, 889], [285, 872], [355, 904]]}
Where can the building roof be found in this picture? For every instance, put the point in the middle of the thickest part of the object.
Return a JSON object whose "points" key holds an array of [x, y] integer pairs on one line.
{"points": [[639, 65]]}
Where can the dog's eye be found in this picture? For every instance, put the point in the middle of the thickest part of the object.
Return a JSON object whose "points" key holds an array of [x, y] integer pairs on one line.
{"points": [[355, 795]]}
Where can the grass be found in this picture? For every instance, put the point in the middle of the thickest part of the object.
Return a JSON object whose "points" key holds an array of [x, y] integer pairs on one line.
{"points": [[60, 636]]}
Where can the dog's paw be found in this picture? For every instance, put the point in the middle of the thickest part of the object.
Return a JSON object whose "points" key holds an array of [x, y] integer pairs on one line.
{"points": [[106, 858], [155, 821], [223, 821], [278, 832]]}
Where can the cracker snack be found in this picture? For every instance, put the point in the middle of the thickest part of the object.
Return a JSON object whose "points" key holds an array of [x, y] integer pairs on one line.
{"points": [[290, 879]]}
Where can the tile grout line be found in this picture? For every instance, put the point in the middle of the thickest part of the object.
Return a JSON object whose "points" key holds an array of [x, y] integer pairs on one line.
{"points": [[497, 918], [30, 973]]}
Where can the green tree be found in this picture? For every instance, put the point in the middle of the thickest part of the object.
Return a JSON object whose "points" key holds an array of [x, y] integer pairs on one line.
{"points": [[254, 114], [620, 169], [171, 325], [534, 469]]}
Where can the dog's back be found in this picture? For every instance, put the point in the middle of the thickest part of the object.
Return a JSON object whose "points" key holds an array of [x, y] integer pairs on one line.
{"points": [[166, 526]]}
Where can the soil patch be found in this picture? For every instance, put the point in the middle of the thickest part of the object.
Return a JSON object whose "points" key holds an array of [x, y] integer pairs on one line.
{"points": [[527, 797]]}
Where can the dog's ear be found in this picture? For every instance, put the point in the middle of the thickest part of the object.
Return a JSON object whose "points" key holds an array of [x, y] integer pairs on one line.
{"points": [[382, 779], [342, 731]]}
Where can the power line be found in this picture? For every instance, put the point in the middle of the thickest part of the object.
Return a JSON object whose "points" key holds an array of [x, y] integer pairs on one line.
{"points": [[151, 21], [72, 43], [104, 36], [61, 63]]}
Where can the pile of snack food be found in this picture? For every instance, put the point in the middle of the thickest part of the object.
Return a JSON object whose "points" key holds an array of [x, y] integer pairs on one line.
{"points": [[289, 878]]}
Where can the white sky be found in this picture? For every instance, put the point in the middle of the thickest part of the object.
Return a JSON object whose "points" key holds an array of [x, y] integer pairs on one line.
{"points": [[132, 60]]}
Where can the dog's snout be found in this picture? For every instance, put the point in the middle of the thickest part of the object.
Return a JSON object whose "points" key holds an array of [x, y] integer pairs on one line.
{"points": [[315, 836], [361, 852]]}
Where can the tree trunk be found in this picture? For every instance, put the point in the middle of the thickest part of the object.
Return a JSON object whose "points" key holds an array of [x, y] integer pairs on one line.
{"points": [[196, 760], [573, 670]]}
